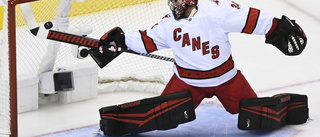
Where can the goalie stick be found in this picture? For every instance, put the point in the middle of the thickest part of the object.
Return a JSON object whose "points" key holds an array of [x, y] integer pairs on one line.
{"points": [[46, 32]]}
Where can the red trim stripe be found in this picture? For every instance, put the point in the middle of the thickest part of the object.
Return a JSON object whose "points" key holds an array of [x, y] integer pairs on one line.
{"points": [[273, 114], [215, 72], [266, 115], [106, 35], [273, 27], [252, 21], [164, 107], [149, 45]]}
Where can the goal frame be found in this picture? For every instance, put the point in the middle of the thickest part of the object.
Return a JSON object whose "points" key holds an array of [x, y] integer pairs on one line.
{"points": [[12, 37], [12, 65]]}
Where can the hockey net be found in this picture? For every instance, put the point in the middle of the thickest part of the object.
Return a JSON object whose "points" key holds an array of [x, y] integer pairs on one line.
{"points": [[24, 54]]}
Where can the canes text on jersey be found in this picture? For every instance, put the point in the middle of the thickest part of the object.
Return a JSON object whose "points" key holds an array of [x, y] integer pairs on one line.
{"points": [[195, 43]]}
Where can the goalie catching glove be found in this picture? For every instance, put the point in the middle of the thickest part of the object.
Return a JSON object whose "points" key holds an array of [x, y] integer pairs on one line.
{"points": [[287, 36], [111, 45]]}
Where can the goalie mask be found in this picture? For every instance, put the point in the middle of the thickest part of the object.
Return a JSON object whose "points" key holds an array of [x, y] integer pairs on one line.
{"points": [[179, 7]]}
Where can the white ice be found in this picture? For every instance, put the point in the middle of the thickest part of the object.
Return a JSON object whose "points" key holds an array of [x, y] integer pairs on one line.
{"points": [[267, 69]]}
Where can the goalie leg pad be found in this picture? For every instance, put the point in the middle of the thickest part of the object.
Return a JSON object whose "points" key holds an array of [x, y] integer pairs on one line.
{"points": [[157, 113], [298, 112], [273, 112]]}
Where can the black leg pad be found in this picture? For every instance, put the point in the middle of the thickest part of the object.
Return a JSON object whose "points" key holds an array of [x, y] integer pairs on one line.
{"points": [[157, 113], [273, 112]]}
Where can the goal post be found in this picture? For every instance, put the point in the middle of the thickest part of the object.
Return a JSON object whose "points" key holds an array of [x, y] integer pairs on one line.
{"points": [[9, 117], [22, 54], [9, 102]]}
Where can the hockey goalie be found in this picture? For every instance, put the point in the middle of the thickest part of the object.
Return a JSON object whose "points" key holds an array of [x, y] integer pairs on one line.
{"points": [[204, 67]]}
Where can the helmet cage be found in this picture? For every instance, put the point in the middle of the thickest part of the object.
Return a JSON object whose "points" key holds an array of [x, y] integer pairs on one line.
{"points": [[180, 7]]}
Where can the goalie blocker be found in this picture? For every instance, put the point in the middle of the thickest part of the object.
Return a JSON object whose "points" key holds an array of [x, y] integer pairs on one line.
{"points": [[157, 113], [273, 112]]}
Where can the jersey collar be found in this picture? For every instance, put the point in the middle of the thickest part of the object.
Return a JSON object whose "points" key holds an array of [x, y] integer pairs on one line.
{"points": [[193, 12]]}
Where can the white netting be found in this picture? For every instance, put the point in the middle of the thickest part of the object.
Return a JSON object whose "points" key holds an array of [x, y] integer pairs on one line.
{"points": [[4, 82], [127, 72], [132, 17]]}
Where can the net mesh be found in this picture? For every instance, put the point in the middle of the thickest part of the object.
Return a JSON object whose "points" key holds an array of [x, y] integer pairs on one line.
{"points": [[4, 81], [126, 72]]}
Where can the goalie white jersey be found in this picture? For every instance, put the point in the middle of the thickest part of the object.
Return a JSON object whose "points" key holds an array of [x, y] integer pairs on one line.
{"points": [[200, 44]]}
